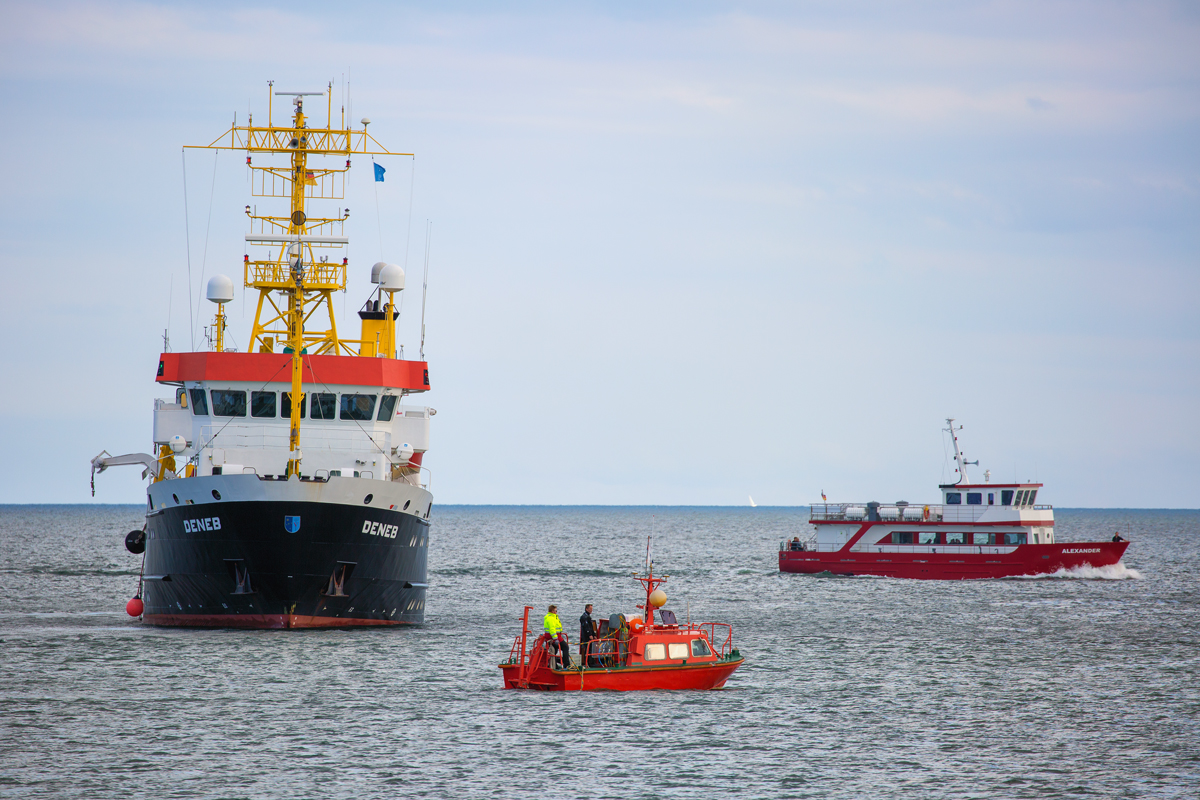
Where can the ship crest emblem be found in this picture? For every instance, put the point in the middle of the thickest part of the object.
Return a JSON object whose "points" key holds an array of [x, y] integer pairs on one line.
{"points": [[291, 524]]}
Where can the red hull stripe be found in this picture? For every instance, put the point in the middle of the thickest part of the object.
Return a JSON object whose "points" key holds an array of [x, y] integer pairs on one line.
{"points": [[274, 367], [261, 621], [1037, 559]]}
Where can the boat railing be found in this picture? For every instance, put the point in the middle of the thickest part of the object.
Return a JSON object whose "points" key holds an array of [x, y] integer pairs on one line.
{"points": [[870, 512]]}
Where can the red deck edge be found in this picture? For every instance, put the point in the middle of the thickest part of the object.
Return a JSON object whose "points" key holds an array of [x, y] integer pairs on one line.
{"points": [[274, 368]]}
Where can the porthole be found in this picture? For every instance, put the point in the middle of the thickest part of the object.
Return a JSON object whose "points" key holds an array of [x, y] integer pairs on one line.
{"points": [[406, 502], [368, 499], [216, 495], [175, 497]]}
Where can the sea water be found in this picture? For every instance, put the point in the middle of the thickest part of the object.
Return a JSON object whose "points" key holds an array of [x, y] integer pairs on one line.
{"points": [[1081, 684]]}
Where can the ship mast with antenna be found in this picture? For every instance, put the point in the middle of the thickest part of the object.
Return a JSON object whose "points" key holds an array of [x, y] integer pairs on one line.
{"points": [[959, 457], [294, 271]]}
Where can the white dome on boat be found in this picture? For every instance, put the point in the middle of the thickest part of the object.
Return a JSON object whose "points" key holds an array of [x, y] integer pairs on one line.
{"points": [[178, 444], [375, 270], [220, 289], [391, 277], [405, 453]]}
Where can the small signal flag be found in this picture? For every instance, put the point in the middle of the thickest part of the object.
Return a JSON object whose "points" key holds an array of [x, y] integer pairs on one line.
{"points": [[379, 170]]}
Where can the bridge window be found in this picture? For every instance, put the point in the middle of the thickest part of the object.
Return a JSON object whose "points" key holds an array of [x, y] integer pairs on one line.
{"points": [[956, 538], [927, 537], [262, 404], [323, 405], [954, 498], [287, 404], [228, 403], [677, 650], [1006, 497], [991, 498], [974, 498], [359, 407], [199, 403], [983, 538], [1014, 538], [1032, 495], [387, 407], [700, 648], [656, 652]]}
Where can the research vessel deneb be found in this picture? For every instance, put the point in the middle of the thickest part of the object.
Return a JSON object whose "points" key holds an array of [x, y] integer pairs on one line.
{"points": [[244, 526]]}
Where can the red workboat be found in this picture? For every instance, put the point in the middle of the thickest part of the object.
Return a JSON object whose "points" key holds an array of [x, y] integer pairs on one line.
{"points": [[629, 655], [980, 530]]}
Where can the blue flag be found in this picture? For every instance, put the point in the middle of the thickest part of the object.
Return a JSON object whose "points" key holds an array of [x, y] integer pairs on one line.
{"points": [[379, 173]]}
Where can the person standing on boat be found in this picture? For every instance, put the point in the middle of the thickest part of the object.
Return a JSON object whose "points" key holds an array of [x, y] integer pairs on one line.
{"points": [[557, 642], [587, 632]]}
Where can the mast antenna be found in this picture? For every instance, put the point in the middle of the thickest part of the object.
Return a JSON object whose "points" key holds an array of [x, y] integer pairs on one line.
{"points": [[959, 457], [425, 291]]}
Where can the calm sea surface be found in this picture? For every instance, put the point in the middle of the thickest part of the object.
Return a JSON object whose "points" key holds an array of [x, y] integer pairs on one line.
{"points": [[852, 688]]}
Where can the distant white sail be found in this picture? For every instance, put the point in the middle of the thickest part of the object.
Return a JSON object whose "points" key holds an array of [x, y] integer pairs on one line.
{"points": [[752, 503]]}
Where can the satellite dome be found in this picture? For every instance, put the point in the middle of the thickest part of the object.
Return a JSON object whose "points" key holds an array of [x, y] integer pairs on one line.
{"points": [[178, 443], [391, 277], [658, 598], [404, 452], [375, 270], [220, 289]]}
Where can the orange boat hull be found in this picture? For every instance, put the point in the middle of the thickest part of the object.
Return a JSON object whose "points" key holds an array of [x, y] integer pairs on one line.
{"points": [[693, 677]]}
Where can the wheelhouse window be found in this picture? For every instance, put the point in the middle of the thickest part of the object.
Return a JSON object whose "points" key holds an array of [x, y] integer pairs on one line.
{"points": [[287, 404], [199, 402], [974, 498], [262, 404], [902, 537], [228, 403], [656, 652], [956, 538], [677, 650], [1032, 496], [927, 537], [1015, 538], [1006, 497], [323, 405], [387, 407], [954, 498], [983, 538], [991, 498], [700, 648], [360, 407]]}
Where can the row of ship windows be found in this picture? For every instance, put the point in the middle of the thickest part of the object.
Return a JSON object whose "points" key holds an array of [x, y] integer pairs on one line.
{"points": [[657, 651], [933, 537], [1024, 497], [232, 403]]}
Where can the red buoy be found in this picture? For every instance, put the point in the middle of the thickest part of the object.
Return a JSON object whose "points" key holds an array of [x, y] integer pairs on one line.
{"points": [[134, 607]]}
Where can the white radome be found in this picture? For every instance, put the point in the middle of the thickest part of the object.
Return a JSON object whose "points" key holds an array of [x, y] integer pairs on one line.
{"points": [[375, 270], [178, 444], [220, 289], [404, 452], [391, 278]]}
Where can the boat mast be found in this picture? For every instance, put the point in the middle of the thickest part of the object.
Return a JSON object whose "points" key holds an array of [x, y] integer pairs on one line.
{"points": [[294, 270], [958, 456]]}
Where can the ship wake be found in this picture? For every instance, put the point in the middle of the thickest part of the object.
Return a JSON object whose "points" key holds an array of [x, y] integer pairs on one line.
{"points": [[1110, 572]]}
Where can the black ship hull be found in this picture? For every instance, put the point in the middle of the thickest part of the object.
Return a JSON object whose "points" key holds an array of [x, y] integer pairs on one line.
{"points": [[309, 559]]}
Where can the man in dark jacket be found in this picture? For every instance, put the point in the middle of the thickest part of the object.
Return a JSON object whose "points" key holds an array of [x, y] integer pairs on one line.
{"points": [[587, 632]]}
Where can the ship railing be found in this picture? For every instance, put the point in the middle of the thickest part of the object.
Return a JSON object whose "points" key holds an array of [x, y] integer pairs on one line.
{"points": [[861, 512]]}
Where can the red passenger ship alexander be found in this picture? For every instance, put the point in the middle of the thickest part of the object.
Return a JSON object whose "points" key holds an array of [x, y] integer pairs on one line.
{"points": [[979, 530]]}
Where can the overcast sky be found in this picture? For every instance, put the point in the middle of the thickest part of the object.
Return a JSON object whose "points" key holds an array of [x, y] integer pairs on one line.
{"points": [[680, 255]]}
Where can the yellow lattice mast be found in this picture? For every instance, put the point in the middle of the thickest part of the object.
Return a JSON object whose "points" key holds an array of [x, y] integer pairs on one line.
{"points": [[304, 281]]}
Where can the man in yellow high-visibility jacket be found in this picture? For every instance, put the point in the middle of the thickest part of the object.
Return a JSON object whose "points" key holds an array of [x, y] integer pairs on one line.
{"points": [[557, 641]]}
